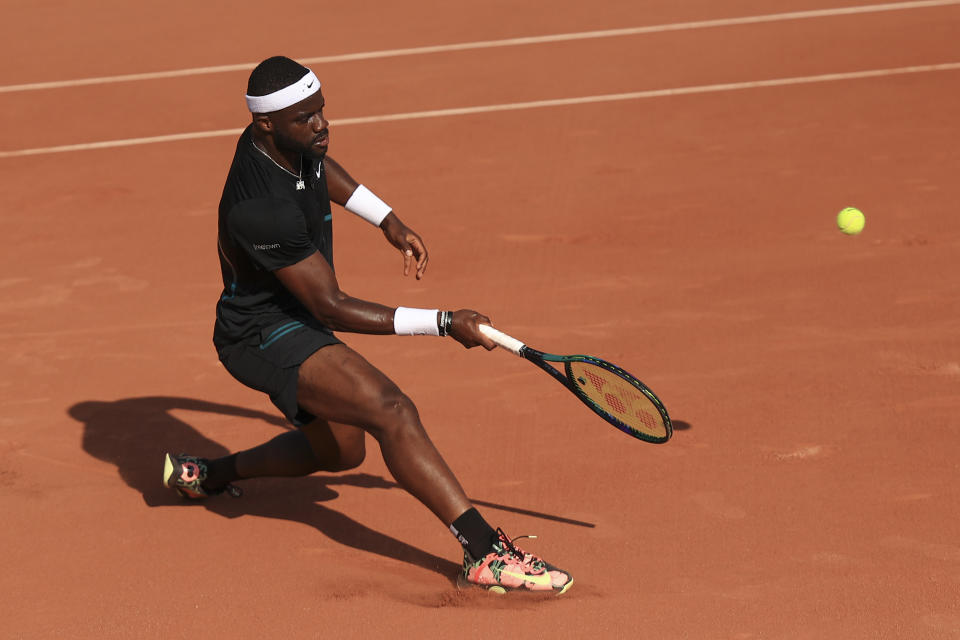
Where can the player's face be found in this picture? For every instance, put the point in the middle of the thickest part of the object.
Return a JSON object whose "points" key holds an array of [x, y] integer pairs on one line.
{"points": [[301, 128]]}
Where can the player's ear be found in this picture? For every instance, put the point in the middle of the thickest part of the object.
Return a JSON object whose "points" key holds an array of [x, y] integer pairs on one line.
{"points": [[262, 122]]}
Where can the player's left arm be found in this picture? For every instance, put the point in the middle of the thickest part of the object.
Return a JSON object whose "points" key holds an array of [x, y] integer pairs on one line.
{"points": [[341, 187]]}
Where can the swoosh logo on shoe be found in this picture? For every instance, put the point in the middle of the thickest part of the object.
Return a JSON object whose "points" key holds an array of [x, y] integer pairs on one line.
{"points": [[542, 579]]}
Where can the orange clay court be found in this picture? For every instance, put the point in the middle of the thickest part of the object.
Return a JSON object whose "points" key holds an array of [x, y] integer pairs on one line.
{"points": [[648, 181]]}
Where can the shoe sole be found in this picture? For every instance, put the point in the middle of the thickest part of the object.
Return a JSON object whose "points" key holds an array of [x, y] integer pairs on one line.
{"points": [[463, 583], [168, 471]]}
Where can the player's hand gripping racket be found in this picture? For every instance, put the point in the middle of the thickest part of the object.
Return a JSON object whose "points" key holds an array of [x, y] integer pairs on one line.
{"points": [[612, 393]]}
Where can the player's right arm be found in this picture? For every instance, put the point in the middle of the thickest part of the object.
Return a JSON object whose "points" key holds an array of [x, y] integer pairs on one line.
{"points": [[274, 235], [315, 285]]}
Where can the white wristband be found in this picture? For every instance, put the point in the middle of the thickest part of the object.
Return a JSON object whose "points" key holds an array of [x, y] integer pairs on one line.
{"points": [[368, 206], [415, 322]]}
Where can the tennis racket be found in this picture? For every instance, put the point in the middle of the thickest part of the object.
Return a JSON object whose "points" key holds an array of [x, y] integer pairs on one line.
{"points": [[612, 393]]}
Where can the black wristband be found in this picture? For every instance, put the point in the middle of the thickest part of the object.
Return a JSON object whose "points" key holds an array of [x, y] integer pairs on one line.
{"points": [[447, 323], [444, 322]]}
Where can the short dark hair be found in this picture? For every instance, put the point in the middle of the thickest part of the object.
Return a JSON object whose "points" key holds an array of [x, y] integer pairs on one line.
{"points": [[274, 74]]}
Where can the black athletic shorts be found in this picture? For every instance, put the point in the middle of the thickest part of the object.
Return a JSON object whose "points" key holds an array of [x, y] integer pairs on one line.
{"points": [[270, 362]]}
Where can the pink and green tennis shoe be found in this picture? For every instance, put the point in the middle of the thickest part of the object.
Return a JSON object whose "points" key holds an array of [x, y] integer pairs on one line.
{"points": [[509, 568]]}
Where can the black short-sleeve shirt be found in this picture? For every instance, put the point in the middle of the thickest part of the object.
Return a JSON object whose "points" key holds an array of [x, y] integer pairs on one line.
{"points": [[266, 223]]}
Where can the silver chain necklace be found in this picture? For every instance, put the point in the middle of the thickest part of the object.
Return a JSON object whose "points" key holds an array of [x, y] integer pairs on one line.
{"points": [[300, 183]]}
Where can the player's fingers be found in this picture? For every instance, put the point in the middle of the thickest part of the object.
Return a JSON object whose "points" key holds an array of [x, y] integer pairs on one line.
{"points": [[421, 266], [407, 260], [420, 252], [417, 245], [485, 342]]}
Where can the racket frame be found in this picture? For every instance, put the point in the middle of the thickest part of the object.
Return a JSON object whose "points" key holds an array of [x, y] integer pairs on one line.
{"points": [[543, 360]]}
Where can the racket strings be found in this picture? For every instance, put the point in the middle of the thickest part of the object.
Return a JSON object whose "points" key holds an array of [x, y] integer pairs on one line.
{"points": [[618, 398]]}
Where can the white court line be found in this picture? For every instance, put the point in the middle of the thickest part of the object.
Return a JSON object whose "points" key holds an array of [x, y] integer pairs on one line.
{"points": [[488, 44], [512, 106]]}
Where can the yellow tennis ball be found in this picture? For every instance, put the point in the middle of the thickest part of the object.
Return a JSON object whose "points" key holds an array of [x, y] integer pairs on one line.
{"points": [[851, 221]]}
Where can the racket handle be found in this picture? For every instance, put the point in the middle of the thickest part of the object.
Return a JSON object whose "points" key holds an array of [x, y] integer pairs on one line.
{"points": [[503, 340]]}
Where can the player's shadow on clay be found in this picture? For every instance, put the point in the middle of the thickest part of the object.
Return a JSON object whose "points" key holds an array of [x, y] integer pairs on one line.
{"points": [[134, 433]]}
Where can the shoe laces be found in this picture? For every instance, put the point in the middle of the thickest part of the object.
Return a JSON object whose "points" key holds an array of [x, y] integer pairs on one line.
{"points": [[514, 550]]}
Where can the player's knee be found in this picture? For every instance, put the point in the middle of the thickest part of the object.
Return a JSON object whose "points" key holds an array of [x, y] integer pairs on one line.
{"points": [[351, 456], [396, 412]]}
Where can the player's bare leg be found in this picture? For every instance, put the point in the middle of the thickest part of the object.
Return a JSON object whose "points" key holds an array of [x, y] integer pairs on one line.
{"points": [[342, 389], [317, 446], [338, 385]]}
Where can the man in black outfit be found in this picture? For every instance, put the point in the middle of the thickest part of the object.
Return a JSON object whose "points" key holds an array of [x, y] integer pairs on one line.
{"points": [[281, 304]]}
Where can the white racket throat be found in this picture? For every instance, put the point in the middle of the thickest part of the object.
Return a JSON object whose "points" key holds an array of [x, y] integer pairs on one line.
{"points": [[501, 339]]}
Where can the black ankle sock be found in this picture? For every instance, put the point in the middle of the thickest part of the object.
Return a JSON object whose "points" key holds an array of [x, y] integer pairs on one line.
{"points": [[474, 533], [221, 472]]}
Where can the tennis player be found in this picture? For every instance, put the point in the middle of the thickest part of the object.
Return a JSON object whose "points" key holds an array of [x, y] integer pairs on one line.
{"points": [[276, 318]]}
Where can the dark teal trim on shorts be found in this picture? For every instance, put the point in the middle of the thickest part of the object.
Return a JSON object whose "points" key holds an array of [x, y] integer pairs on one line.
{"points": [[279, 332], [233, 292], [328, 217]]}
